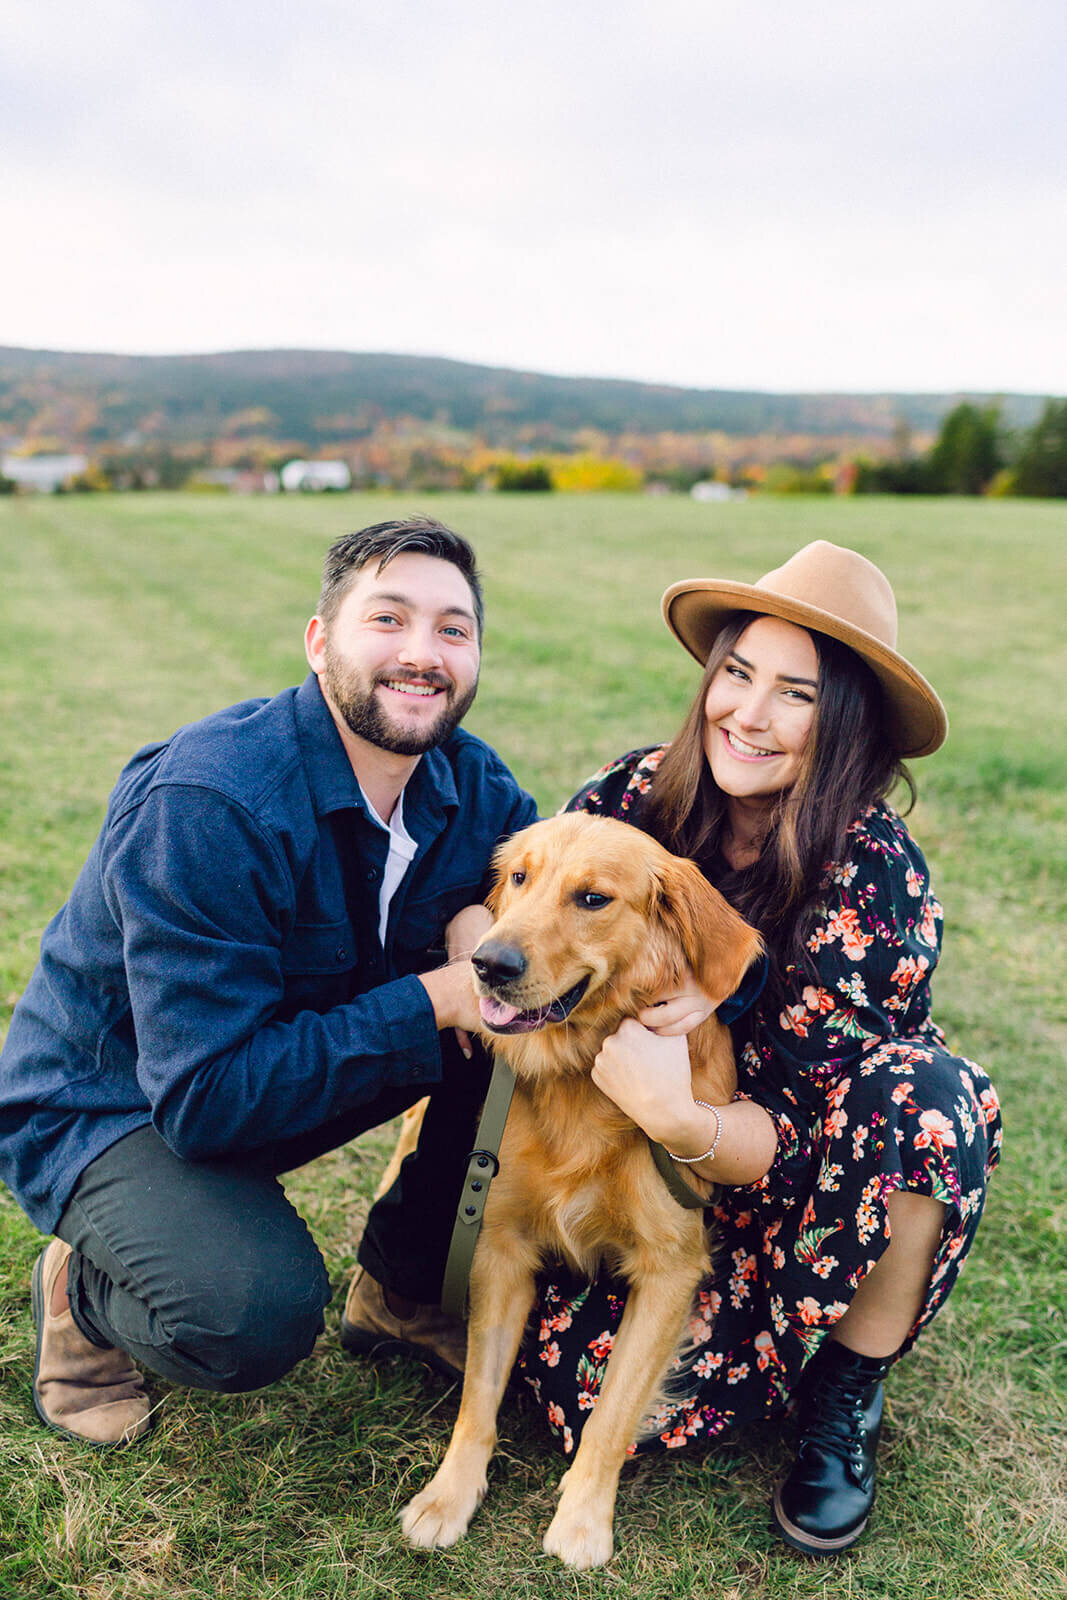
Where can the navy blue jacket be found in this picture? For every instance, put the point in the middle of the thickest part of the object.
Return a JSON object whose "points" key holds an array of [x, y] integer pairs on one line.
{"points": [[217, 970]]}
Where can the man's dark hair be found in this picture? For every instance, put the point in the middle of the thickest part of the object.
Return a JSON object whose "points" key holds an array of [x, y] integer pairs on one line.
{"points": [[421, 536]]}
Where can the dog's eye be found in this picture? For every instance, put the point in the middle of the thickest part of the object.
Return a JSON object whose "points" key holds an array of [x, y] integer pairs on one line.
{"points": [[518, 877], [591, 900]]}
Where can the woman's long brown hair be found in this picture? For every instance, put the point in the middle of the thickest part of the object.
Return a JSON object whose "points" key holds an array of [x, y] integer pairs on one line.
{"points": [[848, 763]]}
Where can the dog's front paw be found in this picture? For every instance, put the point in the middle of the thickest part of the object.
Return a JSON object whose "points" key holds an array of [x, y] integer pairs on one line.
{"points": [[437, 1516], [580, 1540]]}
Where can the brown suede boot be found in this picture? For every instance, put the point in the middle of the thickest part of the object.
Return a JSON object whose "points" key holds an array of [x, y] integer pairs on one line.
{"points": [[369, 1328], [79, 1389]]}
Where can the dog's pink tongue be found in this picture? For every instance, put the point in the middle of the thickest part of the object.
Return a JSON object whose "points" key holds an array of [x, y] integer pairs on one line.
{"points": [[495, 1012]]}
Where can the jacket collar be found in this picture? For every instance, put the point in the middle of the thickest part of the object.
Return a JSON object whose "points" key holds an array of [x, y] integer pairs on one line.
{"points": [[429, 793]]}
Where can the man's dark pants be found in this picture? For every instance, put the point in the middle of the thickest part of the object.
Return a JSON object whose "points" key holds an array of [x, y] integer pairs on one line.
{"points": [[206, 1274]]}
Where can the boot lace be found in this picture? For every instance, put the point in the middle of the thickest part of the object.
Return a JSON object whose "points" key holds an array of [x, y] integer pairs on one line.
{"points": [[833, 1416]]}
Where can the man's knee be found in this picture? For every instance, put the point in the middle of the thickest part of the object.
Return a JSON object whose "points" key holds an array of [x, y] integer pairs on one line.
{"points": [[250, 1331]]}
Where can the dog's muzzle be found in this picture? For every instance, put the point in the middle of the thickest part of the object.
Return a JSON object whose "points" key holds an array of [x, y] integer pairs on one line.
{"points": [[498, 966]]}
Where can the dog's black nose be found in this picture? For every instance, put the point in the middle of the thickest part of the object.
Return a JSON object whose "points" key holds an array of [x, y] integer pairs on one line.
{"points": [[497, 963]]}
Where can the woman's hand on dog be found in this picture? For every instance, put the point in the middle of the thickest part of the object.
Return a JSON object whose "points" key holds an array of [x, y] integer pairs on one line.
{"points": [[648, 1076], [680, 1011]]}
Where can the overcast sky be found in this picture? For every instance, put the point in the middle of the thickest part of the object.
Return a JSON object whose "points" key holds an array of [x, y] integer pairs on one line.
{"points": [[768, 194]]}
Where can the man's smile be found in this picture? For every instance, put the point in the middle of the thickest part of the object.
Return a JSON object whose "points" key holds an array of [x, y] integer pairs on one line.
{"points": [[401, 686], [427, 686]]}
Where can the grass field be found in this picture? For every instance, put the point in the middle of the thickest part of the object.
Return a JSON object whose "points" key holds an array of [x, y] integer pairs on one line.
{"points": [[123, 617]]}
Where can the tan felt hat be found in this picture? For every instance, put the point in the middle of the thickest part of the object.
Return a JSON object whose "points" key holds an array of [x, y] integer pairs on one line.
{"points": [[829, 590]]}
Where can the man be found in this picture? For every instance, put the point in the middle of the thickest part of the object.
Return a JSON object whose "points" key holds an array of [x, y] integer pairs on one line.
{"points": [[250, 971]]}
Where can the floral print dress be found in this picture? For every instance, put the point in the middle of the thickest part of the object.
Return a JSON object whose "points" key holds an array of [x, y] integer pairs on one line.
{"points": [[866, 1099]]}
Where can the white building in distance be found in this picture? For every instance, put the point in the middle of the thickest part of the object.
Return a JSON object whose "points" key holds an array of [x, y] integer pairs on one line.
{"points": [[315, 475], [44, 473]]}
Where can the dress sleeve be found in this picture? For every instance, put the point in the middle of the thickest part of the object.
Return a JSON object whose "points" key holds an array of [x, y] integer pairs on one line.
{"points": [[871, 948], [618, 788]]}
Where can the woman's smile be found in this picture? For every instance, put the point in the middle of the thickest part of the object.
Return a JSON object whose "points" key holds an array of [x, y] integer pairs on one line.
{"points": [[745, 751]]}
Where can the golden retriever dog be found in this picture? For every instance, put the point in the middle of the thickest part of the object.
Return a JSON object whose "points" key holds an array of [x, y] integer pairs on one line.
{"points": [[593, 921]]}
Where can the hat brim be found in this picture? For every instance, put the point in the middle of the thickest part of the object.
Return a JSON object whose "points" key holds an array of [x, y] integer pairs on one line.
{"points": [[695, 610]]}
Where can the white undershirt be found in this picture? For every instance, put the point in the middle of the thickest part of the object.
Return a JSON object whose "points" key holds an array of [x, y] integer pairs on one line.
{"points": [[402, 848]]}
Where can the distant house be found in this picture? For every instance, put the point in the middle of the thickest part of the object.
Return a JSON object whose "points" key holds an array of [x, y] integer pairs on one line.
{"points": [[312, 476], [711, 491], [44, 473]]}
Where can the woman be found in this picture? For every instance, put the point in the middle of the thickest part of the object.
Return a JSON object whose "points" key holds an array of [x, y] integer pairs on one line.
{"points": [[855, 1156]]}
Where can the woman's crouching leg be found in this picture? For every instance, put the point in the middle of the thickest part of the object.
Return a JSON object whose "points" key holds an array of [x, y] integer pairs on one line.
{"points": [[939, 1116]]}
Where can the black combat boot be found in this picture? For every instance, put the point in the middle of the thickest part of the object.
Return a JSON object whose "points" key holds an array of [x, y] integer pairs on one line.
{"points": [[823, 1505]]}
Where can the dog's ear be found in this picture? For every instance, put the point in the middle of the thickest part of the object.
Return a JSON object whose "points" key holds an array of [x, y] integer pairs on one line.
{"points": [[506, 857], [717, 942]]}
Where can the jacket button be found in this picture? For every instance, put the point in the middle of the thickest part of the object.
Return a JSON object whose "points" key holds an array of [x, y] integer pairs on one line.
{"points": [[340, 953]]}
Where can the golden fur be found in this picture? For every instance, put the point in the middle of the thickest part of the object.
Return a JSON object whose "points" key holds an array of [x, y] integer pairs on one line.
{"points": [[576, 1178]]}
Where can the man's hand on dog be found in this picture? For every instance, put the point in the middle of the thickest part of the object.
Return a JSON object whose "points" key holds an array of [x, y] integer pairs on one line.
{"points": [[463, 935], [451, 992]]}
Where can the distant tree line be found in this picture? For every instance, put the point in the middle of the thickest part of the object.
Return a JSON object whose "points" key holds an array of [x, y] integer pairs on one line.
{"points": [[974, 454]]}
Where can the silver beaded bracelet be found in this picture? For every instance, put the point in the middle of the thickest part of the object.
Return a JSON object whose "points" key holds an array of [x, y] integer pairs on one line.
{"points": [[690, 1161]]}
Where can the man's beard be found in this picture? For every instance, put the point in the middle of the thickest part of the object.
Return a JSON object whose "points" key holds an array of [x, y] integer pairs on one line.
{"points": [[367, 719]]}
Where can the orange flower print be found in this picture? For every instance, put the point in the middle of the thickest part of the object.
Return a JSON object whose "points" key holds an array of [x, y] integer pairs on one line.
{"points": [[794, 1019], [902, 1092], [866, 1221], [767, 1353], [556, 1415], [737, 1374], [824, 1266], [809, 1311], [744, 1269], [844, 925], [835, 1124], [601, 1346], [707, 1363], [908, 972], [818, 999], [550, 1354], [708, 1302], [990, 1104], [839, 1093], [859, 1139], [936, 1130], [855, 945], [926, 932]]}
